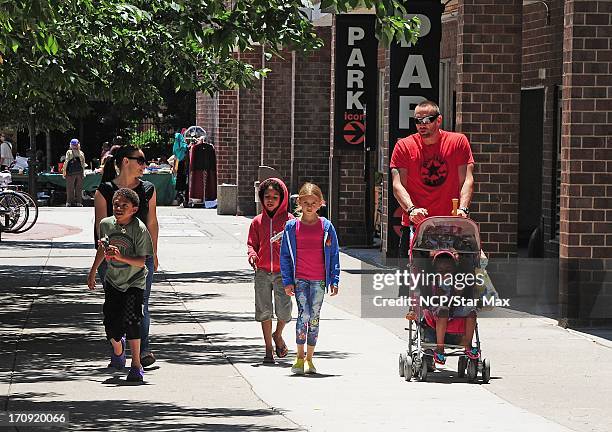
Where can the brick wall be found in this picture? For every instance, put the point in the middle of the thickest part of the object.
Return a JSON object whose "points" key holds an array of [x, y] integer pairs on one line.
{"points": [[218, 117], [206, 114], [250, 137], [384, 65], [277, 115], [488, 108], [240, 140], [448, 44], [312, 110], [543, 49], [586, 162]]}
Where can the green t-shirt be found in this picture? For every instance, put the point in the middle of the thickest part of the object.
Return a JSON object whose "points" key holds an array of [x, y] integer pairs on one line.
{"points": [[133, 240]]}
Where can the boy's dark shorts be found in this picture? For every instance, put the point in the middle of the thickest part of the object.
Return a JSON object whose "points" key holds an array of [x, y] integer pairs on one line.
{"points": [[122, 312]]}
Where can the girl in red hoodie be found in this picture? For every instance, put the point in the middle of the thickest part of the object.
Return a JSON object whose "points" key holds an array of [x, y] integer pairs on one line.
{"points": [[264, 257]]}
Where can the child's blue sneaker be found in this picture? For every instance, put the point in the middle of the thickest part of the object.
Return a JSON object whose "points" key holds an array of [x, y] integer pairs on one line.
{"points": [[439, 357], [473, 353], [118, 361], [136, 374]]}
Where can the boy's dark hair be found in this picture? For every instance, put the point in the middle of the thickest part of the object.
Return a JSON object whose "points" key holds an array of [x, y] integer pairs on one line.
{"points": [[129, 195], [270, 183]]}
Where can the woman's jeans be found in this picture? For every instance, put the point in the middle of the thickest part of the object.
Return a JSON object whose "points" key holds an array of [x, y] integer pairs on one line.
{"points": [[146, 320], [309, 298]]}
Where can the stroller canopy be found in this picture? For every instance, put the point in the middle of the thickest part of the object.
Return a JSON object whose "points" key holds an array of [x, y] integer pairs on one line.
{"points": [[447, 232]]}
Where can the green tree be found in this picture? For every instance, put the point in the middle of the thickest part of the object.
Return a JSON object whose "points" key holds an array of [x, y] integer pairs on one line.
{"points": [[56, 55]]}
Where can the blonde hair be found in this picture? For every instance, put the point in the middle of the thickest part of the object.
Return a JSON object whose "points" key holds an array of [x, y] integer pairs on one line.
{"points": [[310, 189]]}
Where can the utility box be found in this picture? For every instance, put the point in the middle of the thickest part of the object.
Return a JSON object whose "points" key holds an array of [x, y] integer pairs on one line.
{"points": [[257, 202], [227, 199]]}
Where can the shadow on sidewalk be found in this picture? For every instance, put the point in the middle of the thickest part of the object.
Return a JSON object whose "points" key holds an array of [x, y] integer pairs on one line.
{"points": [[44, 244], [216, 277], [125, 414]]}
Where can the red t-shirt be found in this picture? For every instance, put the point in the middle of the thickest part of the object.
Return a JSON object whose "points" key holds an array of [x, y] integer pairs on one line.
{"points": [[310, 263], [433, 177]]}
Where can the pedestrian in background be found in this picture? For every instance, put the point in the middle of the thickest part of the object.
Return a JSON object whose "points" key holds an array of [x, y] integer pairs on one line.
{"points": [[104, 150], [123, 169], [6, 152], [310, 267], [264, 257], [74, 172]]}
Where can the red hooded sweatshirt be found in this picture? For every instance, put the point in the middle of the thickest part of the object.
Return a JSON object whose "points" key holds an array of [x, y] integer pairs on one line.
{"points": [[263, 228]]}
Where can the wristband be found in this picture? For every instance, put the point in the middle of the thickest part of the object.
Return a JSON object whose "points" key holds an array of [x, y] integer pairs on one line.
{"points": [[465, 210], [411, 209]]}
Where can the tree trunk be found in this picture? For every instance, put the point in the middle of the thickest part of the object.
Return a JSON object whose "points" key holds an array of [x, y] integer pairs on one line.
{"points": [[49, 155], [32, 157]]}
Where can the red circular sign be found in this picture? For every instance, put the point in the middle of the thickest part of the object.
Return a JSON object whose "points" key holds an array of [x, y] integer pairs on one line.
{"points": [[354, 132]]}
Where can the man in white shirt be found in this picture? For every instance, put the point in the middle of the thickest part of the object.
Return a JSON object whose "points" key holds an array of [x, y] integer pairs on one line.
{"points": [[6, 153]]}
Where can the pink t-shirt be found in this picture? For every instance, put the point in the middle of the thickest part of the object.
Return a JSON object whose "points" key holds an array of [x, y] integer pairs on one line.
{"points": [[310, 263]]}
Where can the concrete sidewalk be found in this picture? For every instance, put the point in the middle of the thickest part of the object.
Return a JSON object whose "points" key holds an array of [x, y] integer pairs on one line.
{"points": [[208, 377]]}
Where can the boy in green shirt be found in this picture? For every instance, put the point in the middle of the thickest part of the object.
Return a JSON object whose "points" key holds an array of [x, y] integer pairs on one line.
{"points": [[125, 243]]}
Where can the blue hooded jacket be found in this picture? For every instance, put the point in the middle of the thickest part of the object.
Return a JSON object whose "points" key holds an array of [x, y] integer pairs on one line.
{"points": [[330, 248]]}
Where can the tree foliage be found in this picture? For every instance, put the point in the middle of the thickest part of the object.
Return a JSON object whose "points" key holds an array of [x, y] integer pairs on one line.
{"points": [[56, 55]]}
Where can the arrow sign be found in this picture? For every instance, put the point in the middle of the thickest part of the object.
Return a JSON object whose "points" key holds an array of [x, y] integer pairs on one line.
{"points": [[354, 132]]}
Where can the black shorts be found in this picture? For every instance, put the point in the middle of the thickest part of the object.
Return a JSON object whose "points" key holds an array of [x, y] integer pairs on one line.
{"points": [[122, 312]]}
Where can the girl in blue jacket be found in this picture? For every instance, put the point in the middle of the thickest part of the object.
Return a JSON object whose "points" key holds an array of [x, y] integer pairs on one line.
{"points": [[310, 266]]}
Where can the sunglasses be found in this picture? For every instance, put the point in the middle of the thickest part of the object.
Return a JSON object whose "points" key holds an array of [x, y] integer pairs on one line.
{"points": [[139, 159], [427, 119]]}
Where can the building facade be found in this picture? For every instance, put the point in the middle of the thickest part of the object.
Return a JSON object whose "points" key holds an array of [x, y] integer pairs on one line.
{"points": [[528, 82]]}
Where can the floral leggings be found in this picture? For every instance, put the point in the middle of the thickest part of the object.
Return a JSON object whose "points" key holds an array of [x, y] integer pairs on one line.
{"points": [[309, 298]]}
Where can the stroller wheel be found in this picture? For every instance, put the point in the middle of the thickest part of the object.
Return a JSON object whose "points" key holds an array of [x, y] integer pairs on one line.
{"points": [[424, 370], [462, 364], [408, 368], [402, 360], [486, 370], [472, 370]]}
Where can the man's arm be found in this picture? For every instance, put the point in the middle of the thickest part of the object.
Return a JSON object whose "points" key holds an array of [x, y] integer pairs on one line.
{"points": [[466, 180], [399, 176]]}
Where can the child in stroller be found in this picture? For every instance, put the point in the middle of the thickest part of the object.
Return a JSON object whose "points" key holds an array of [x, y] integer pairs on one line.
{"points": [[446, 251], [461, 317]]}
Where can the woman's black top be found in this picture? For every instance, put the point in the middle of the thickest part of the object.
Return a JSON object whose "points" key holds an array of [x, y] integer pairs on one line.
{"points": [[144, 190]]}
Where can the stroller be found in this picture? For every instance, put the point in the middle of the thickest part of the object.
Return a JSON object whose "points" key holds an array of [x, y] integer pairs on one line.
{"points": [[460, 238]]}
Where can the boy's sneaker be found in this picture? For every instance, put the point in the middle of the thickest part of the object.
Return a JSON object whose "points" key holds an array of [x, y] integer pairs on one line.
{"points": [[147, 359], [118, 361], [298, 367], [310, 367], [136, 374]]}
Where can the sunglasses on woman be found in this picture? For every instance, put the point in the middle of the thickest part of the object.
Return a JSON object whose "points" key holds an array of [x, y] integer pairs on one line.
{"points": [[139, 159]]}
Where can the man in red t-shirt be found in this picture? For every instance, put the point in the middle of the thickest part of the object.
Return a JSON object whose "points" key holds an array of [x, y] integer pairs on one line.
{"points": [[430, 168]]}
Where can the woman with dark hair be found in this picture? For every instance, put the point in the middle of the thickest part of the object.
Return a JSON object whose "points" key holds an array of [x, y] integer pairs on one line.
{"points": [[123, 169]]}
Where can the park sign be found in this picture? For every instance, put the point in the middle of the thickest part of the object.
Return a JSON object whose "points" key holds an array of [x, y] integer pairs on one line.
{"points": [[413, 78], [356, 77]]}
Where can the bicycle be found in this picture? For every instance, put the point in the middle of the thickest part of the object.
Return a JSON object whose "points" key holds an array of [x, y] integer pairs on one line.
{"points": [[18, 210]]}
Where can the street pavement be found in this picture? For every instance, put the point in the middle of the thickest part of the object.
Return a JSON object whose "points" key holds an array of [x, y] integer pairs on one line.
{"points": [[208, 376]]}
